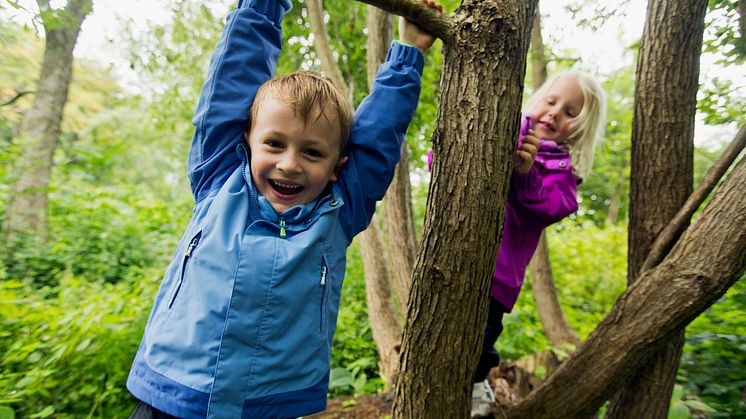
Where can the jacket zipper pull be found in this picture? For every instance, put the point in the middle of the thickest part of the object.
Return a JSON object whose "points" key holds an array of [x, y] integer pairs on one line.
{"points": [[282, 228], [191, 247], [323, 276]]}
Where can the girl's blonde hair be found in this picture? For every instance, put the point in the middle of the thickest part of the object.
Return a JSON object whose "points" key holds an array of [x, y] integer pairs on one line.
{"points": [[587, 129]]}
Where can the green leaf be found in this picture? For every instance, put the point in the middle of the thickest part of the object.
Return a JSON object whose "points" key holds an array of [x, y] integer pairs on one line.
{"points": [[26, 381], [7, 413], [698, 405], [47, 412]]}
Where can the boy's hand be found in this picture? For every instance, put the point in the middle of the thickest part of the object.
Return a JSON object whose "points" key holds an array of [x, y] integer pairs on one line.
{"points": [[526, 154], [409, 33]]}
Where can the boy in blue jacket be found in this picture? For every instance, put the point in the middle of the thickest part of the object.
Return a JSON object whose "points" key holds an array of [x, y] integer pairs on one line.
{"points": [[242, 324]]}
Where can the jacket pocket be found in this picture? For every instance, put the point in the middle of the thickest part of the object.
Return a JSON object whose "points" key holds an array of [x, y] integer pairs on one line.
{"points": [[323, 283], [184, 264]]}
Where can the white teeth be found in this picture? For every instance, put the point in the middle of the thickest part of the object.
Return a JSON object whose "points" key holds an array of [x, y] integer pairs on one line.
{"points": [[284, 185]]}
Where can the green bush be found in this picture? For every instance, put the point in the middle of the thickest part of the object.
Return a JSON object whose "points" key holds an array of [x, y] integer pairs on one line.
{"points": [[66, 350]]}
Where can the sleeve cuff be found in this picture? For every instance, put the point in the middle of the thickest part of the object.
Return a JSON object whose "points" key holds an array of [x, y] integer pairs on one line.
{"points": [[273, 9], [406, 54], [525, 181]]}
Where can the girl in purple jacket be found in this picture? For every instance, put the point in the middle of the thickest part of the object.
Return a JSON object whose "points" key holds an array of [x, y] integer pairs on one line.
{"points": [[565, 118]]}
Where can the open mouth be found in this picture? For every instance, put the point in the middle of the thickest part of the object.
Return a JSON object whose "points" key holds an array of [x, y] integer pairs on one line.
{"points": [[285, 188], [547, 126]]}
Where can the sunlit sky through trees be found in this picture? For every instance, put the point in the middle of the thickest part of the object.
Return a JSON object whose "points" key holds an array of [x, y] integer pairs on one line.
{"points": [[600, 48]]}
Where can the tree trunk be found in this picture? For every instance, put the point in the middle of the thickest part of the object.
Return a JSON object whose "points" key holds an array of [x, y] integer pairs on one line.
{"points": [[39, 132], [547, 303], [400, 235], [708, 259], [384, 323], [323, 46], [662, 172], [552, 318], [482, 82], [381, 310], [397, 205], [538, 56]]}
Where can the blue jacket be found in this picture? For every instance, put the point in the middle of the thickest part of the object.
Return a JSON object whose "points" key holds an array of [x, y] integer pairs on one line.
{"points": [[242, 324]]}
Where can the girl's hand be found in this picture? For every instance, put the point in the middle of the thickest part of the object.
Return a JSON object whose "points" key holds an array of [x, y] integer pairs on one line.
{"points": [[526, 155], [411, 34]]}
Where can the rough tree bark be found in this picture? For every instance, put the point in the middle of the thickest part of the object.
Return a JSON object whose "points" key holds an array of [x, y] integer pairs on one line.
{"points": [[401, 242], [668, 237], [662, 172], [552, 318], [384, 323], [39, 132], [484, 48], [708, 259]]}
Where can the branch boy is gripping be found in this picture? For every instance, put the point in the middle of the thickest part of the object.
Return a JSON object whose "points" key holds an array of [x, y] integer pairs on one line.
{"points": [[283, 176]]}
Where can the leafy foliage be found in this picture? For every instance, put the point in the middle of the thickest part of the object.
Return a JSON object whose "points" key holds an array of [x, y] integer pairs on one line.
{"points": [[66, 350], [72, 310]]}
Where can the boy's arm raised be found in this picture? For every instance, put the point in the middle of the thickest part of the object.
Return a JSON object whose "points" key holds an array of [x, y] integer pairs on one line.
{"points": [[244, 58], [381, 122]]}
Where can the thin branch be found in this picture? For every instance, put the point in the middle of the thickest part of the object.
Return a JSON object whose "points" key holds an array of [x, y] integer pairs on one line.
{"points": [[19, 94], [439, 24], [668, 237]]}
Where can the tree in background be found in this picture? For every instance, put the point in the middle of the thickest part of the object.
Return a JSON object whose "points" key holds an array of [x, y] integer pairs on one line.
{"points": [[553, 320], [39, 132], [665, 106]]}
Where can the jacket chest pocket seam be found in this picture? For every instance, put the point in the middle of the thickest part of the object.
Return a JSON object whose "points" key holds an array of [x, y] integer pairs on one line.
{"points": [[184, 264]]}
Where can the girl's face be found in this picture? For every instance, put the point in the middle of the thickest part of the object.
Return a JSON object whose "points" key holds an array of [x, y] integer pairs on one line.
{"points": [[555, 111]]}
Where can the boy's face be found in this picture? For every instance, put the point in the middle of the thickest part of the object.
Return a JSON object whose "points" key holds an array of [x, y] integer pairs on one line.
{"points": [[292, 161]]}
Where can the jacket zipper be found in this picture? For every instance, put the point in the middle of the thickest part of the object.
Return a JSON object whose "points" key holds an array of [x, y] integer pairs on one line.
{"points": [[187, 255], [282, 228], [322, 284]]}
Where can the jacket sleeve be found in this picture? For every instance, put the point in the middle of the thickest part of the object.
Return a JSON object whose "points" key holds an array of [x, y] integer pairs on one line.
{"points": [[244, 58], [544, 197], [377, 134]]}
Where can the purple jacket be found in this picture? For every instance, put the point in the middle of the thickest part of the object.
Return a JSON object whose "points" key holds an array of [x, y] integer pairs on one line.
{"points": [[537, 199]]}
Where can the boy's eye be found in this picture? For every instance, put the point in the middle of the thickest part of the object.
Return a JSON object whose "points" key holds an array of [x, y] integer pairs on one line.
{"points": [[314, 153], [274, 144]]}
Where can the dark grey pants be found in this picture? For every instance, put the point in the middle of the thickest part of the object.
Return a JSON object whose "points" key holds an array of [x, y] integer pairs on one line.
{"points": [[146, 411], [490, 358]]}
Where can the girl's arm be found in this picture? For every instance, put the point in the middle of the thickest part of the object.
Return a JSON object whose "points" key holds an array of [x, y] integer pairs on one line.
{"points": [[245, 57], [545, 196]]}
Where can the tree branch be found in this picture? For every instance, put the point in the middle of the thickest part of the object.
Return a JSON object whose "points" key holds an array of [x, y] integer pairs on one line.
{"points": [[19, 94], [668, 236], [438, 24]]}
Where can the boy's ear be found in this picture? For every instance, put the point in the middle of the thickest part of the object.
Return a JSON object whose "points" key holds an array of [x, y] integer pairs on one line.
{"points": [[342, 161]]}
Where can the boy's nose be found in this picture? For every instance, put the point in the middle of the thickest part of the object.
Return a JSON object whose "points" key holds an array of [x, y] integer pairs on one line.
{"points": [[289, 163]]}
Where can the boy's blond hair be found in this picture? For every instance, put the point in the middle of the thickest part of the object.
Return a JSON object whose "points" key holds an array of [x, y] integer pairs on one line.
{"points": [[587, 129], [308, 92]]}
